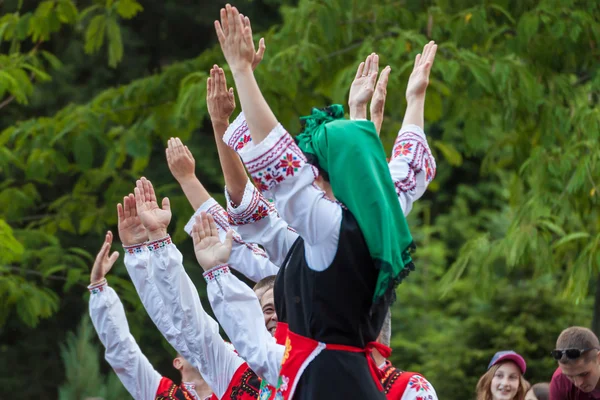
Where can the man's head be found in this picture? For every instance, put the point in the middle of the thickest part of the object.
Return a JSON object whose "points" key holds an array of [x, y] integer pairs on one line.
{"points": [[264, 291], [187, 371], [578, 357]]}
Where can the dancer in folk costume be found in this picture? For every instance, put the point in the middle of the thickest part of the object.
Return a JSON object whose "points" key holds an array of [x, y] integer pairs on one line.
{"points": [[333, 321], [122, 352]]}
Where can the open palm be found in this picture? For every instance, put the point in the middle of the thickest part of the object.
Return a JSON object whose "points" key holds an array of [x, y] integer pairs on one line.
{"points": [[104, 262], [419, 78], [152, 216], [363, 86], [131, 229], [209, 249]]}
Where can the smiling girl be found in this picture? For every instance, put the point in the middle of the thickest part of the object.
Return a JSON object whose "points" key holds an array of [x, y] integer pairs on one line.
{"points": [[504, 378]]}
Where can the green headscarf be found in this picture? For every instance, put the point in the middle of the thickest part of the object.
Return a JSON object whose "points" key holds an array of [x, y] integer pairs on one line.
{"points": [[351, 153]]}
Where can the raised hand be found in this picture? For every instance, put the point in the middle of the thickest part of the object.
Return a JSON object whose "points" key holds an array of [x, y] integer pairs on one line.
{"points": [[235, 40], [152, 216], [220, 101], [131, 229], [209, 250], [180, 160], [258, 56], [103, 262], [363, 86], [419, 78], [378, 101]]}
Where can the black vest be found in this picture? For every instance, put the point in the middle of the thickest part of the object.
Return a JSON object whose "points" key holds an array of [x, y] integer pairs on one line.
{"points": [[333, 306]]}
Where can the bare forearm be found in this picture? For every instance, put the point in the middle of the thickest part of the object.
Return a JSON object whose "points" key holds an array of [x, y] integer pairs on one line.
{"points": [[259, 116], [194, 191], [233, 169], [415, 111]]}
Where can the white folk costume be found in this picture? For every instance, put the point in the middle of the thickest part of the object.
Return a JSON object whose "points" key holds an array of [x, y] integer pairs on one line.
{"points": [[403, 385], [123, 353], [172, 301], [332, 321]]}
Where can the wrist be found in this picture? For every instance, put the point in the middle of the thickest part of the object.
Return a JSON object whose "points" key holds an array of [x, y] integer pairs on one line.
{"points": [[415, 99], [157, 234], [215, 272], [358, 111], [220, 123], [187, 179], [242, 70]]}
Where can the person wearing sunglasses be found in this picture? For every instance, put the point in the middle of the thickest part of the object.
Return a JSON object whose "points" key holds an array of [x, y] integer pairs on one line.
{"points": [[504, 378], [578, 374]]}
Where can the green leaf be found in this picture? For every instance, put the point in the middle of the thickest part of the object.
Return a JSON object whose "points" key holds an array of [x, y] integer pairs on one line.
{"points": [[94, 35], [115, 44], [450, 153], [83, 151], [67, 12], [73, 277], [570, 238], [128, 8], [52, 60]]}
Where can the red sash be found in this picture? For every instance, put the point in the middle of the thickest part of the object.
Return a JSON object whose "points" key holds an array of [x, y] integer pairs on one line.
{"points": [[267, 391], [300, 351], [243, 385]]}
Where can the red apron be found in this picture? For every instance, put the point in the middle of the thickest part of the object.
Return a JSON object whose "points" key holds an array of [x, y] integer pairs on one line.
{"points": [[268, 391], [300, 351]]}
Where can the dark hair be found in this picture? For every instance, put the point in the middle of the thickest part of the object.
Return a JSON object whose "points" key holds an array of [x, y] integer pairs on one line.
{"points": [[312, 160], [264, 285], [577, 337], [541, 390]]}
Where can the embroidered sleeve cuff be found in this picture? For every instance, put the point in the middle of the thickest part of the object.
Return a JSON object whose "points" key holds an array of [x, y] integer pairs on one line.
{"points": [[237, 136], [159, 244], [411, 145], [254, 207], [273, 160], [210, 206], [97, 287], [135, 248], [216, 272]]}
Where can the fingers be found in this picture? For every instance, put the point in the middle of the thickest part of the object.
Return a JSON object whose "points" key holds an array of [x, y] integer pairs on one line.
{"points": [[367, 67], [431, 55], [166, 204], [205, 224], [383, 78], [188, 153], [233, 19], [222, 80], [196, 232], [127, 207], [120, 214], [225, 22], [359, 71], [148, 190], [213, 227], [132, 207], [220, 33], [228, 243], [109, 237], [110, 262], [104, 249], [261, 49], [209, 86], [178, 148], [140, 198], [417, 61], [374, 64], [200, 226]]}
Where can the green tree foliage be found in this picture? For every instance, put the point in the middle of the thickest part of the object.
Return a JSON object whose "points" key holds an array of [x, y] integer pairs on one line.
{"points": [[509, 226], [19, 69], [79, 354]]}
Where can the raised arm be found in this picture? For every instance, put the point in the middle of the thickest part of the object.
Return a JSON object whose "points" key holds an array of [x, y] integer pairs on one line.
{"points": [[182, 166], [412, 165], [236, 306], [247, 258], [221, 103], [236, 42], [108, 317], [198, 332]]}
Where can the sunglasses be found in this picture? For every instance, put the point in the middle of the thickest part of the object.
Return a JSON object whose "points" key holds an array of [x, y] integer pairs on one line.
{"points": [[572, 354]]}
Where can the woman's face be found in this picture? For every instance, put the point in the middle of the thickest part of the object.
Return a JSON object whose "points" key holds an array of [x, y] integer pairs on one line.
{"points": [[505, 382], [530, 395]]}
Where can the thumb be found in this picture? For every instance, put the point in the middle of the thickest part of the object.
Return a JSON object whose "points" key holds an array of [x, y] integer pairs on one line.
{"points": [[231, 91], [228, 243], [166, 204], [111, 261]]}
